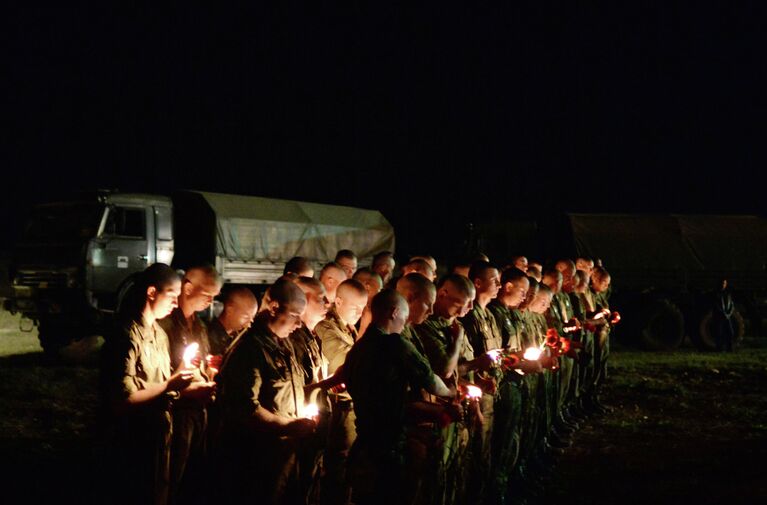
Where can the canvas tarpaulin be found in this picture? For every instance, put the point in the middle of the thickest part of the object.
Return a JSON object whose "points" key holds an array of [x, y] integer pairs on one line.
{"points": [[252, 228]]}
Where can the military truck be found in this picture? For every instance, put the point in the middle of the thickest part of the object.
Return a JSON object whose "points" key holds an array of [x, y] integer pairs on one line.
{"points": [[77, 258], [665, 268]]}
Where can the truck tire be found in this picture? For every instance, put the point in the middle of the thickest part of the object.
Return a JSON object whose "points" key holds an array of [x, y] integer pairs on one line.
{"points": [[704, 336], [661, 327]]}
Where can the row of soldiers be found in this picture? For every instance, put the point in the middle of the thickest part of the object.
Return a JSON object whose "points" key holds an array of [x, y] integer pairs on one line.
{"points": [[355, 386]]}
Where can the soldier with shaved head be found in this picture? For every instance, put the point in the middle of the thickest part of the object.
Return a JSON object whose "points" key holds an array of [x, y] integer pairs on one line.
{"points": [[299, 266], [338, 335], [383, 264], [420, 266], [331, 276], [348, 262], [240, 307], [373, 284], [261, 400], [379, 371], [190, 420]]}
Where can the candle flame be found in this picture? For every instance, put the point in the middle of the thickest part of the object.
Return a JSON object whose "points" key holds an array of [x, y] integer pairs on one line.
{"points": [[495, 355], [311, 411], [532, 353], [473, 392], [190, 352]]}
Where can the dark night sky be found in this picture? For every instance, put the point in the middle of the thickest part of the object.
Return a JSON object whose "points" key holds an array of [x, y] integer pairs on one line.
{"points": [[440, 114]]}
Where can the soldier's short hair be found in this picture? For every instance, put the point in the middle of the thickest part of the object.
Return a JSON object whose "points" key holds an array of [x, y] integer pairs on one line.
{"points": [[329, 266], [297, 265], [414, 284], [206, 271], [599, 273], [478, 269], [384, 302], [345, 253], [351, 286], [284, 292], [543, 288], [239, 292], [309, 283], [381, 257], [512, 275], [461, 283], [365, 274], [419, 265], [552, 273], [565, 264]]}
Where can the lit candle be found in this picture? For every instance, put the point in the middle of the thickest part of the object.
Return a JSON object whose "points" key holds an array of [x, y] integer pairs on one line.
{"points": [[532, 353], [473, 392], [311, 411], [495, 355], [189, 353]]}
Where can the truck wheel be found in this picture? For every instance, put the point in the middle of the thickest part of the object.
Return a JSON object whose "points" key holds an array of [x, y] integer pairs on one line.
{"points": [[705, 339], [662, 326]]}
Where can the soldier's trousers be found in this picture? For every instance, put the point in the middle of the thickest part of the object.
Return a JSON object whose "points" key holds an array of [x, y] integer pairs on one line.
{"points": [[188, 453], [342, 432], [601, 353], [506, 437]]}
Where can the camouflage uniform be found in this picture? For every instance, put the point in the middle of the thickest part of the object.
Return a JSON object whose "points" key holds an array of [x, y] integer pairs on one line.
{"points": [[190, 419], [380, 371], [259, 370], [337, 338], [134, 357]]}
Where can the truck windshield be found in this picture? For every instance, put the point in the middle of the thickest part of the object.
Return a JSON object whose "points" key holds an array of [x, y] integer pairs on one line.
{"points": [[63, 222]]}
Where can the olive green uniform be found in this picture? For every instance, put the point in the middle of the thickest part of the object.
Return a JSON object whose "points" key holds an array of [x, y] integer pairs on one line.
{"points": [[337, 339], [380, 371], [190, 419], [451, 479], [558, 314], [135, 357], [601, 343], [483, 333], [218, 338], [260, 370], [507, 427]]}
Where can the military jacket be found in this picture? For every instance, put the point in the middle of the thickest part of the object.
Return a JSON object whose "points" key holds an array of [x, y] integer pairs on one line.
{"points": [[509, 323], [380, 371], [309, 354], [181, 335], [482, 330], [435, 337], [218, 338], [337, 339], [260, 369]]}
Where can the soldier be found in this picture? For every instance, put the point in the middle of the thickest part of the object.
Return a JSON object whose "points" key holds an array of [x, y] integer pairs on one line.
{"points": [[338, 335], [520, 262], [419, 266], [600, 282], [509, 409], [451, 356], [190, 417], [586, 265], [384, 264], [379, 372], [534, 271], [572, 396], [240, 307], [261, 402], [348, 261], [373, 284], [308, 350], [299, 266], [428, 259], [138, 388], [484, 335], [331, 275]]}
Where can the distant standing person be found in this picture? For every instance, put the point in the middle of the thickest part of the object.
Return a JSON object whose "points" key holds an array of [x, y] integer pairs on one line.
{"points": [[724, 332]]}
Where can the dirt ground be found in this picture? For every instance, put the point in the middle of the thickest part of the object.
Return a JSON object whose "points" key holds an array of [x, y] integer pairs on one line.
{"points": [[687, 427]]}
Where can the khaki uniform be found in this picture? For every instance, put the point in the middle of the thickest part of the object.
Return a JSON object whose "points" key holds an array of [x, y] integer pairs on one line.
{"points": [[190, 419], [218, 338], [260, 370], [135, 357], [337, 338]]}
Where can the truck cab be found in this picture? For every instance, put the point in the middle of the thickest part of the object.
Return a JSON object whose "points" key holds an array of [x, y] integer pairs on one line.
{"points": [[74, 256]]}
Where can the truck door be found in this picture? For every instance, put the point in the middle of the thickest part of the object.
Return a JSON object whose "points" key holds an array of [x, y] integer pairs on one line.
{"points": [[122, 248]]}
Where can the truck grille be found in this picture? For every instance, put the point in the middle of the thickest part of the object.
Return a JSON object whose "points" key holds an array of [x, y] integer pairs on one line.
{"points": [[42, 279]]}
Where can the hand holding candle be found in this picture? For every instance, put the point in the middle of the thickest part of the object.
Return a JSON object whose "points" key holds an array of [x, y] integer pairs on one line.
{"points": [[190, 354]]}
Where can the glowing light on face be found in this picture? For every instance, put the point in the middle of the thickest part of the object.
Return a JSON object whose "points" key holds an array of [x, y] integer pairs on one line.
{"points": [[532, 353], [189, 353], [473, 392]]}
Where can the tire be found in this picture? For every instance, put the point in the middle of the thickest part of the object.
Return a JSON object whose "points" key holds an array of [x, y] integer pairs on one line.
{"points": [[704, 336], [661, 327]]}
